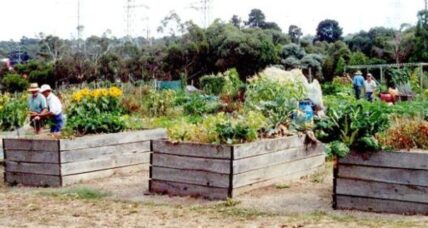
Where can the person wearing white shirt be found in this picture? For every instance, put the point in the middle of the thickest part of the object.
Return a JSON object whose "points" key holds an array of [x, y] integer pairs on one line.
{"points": [[54, 109], [370, 86]]}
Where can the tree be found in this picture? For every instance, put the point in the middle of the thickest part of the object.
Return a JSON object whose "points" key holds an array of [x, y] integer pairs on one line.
{"points": [[171, 25], [295, 33], [421, 36], [292, 50], [236, 21], [358, 58], [328, 30], [340, 66], [256, 19], [402, 45]]}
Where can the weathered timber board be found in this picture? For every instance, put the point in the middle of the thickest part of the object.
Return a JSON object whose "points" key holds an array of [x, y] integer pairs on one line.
{"points": [[33, 156], [386, 175], [380, 205], [31, 145], [266, 146], [33, 168], [281, 179], [103, 151], [112, 139], [181, 189], [192, 149], [409, 193], [73, 179], [191, 177], [271, 172], [405, 160], [28, 179], [271, 159], [110, 162], [191, 163]]}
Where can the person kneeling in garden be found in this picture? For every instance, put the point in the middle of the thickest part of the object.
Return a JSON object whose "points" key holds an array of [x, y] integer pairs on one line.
{"points": [[54, 112], [37, 106]]}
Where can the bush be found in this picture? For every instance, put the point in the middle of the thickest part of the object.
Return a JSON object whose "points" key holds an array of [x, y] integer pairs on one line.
{"points": [[96, 111], [406, 133], [200, 104], [13, 112], [276, 100], [14, 83], [213, 84]]}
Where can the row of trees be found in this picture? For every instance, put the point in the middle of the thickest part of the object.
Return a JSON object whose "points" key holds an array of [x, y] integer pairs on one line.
{"points": [[189, 50]]}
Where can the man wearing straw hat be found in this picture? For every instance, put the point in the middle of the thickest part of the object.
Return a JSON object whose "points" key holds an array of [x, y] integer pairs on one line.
{"points": [[37, 106], [358, 83]]}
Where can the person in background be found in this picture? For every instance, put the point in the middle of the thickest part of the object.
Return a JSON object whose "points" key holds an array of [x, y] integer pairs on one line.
{"points": [[54, 109], [37, 107], [358, 83], [370, 86]]}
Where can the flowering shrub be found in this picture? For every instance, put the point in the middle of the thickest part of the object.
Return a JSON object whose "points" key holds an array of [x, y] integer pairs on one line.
{"points": [[406, 134], [96, 111]]}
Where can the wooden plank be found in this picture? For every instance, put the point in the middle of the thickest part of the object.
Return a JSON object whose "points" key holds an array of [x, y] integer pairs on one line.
{"points": [[380, 190], [74, 179], [271, 159], [32, 180], [191, 177], [105, 151], [112, 139], [31, 145], [180, 189], [406, 160], [32, 168], [193, 149], [272, 172], [267, 146], [387, 175], [282, 179], [33, 156], [379, 205], [110, 162], [191, 163]]}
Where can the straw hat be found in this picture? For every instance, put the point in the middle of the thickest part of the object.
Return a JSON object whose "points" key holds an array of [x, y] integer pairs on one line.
{"points": [[34, 87], [45, 88], [358, 72]]}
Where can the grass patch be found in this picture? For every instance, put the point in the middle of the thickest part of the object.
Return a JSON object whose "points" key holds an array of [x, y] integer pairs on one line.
{"points": [[282, 186], [85, 193]]}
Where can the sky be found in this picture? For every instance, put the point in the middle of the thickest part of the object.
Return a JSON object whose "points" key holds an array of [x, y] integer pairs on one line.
{"points": [[59, 17]]}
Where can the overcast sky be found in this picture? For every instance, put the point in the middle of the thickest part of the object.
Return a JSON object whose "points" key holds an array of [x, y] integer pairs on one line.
{"points": [[59, 17]]}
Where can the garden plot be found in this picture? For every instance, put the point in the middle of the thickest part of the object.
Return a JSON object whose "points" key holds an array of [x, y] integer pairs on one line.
{"points": [[224, 171], [391, 182], [56, 163]]}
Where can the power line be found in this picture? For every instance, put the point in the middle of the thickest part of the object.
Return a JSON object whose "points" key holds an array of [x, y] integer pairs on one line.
{"points": [[130, 14], [79, 27], [203, 6]]}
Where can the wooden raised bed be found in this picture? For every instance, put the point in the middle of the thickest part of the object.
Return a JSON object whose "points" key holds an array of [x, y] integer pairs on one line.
{"points": [[388, 182], [224, 171], [55, 163]]}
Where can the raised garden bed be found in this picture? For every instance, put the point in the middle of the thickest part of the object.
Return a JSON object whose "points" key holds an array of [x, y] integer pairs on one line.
{"points": [[388, 182], [55, 163], [224, 171]]}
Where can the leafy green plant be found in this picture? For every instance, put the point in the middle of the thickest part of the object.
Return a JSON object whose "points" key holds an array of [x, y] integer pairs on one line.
{"points": [[276, 100], [337, 148], [200, 104], [159, 103], [213, 84], [354, 124], [13, 112]]}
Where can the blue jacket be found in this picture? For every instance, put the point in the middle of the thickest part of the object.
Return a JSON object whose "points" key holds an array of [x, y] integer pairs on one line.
{"points": [[358, 80]]}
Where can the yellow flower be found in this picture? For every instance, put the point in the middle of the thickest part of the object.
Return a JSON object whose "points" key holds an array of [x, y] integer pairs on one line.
{"points": [[115, 92]]}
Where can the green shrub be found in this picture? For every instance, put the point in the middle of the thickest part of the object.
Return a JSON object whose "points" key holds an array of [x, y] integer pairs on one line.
{"points": [[13, 112], [213, 84], [200, 104], [14, 83]]}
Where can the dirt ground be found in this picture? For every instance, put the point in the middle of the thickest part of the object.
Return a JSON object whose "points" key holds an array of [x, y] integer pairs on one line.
{"points": [[304, 203]]}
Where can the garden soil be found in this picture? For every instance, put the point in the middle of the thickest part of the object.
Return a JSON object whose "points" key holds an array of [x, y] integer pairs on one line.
{"points": [[303, 203]]}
